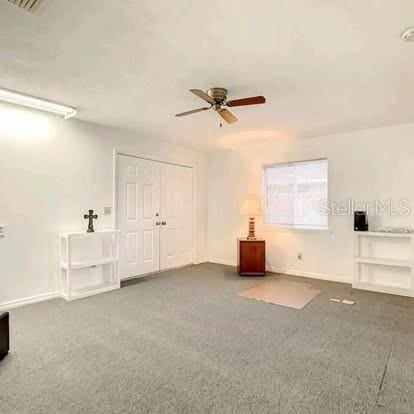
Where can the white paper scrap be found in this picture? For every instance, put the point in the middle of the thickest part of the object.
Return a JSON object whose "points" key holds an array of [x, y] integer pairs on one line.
{"points": [[348, 302], [335, 300]]}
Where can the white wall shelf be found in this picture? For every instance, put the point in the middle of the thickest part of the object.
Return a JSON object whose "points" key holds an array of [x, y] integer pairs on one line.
{"points": [[384, 234], [89, 263], [84, 234], [384, 262], [384, 289]]}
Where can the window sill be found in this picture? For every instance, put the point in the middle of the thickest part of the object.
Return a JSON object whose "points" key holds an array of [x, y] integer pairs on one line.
{"points": [[294, 229]]}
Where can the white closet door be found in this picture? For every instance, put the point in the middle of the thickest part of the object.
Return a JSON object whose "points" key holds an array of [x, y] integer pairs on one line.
{"points": [[138, 205], [176, 243]]}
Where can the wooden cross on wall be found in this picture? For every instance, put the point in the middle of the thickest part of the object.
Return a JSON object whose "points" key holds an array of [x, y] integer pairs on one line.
{"points": [[90, 217]]}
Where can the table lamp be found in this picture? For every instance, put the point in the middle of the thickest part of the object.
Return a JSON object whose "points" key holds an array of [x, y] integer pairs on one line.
{"points": [[251, 207]]}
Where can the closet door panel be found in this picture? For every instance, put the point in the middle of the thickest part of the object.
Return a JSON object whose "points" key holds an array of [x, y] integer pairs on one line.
{"points": [[176, 246], [138, 205]]}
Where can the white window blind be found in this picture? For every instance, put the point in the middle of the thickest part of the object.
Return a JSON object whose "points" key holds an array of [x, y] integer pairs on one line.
{"points": [[295, 193]]}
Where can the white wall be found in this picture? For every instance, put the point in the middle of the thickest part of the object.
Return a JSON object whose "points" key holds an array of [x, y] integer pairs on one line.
{"points": [[51, 172], [364, 166]]}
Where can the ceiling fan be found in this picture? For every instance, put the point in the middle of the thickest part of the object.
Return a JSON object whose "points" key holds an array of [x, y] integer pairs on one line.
{"points": [[217, 98]]}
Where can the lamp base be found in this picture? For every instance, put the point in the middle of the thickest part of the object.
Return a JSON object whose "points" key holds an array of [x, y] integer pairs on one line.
{"points": [[252, 233]]}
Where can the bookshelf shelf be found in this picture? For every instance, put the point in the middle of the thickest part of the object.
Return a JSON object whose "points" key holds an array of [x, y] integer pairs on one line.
{"points": [[88, 263], [397, 277]]}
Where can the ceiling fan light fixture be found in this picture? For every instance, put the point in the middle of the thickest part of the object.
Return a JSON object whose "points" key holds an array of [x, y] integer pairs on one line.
{"points": [[217, 98], [408, 35]]}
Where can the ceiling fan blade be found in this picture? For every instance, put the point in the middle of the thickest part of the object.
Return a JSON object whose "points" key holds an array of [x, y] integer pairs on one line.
{"points": [[194, 111], [254, 100], [227, 116], [201, 94]]}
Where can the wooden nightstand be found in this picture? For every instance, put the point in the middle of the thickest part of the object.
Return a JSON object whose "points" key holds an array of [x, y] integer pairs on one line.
{"points": [[4, 334], [251, 257]]}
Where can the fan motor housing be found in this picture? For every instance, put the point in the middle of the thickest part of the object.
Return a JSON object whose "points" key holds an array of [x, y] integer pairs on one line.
{"points": [[218, 94]]}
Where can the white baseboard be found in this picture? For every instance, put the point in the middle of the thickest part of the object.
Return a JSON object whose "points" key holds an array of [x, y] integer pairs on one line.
{"points": [[198, 262], [221, 261], [312, 275], [292, 272], [53, 295], [28, 301], [124, 279]]}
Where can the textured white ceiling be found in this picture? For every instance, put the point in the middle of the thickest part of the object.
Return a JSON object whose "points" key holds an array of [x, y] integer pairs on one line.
{"points": [[324, 65]]}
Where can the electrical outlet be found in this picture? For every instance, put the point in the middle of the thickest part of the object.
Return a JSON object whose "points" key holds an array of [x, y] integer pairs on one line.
{"points": [[2, 231], [107, 211], [300, 257]]}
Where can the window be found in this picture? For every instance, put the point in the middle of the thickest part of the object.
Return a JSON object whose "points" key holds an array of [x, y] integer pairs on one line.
{"points": [[294, 194]]}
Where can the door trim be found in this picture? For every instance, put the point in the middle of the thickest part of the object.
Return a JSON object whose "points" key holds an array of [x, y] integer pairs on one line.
{"points": [[116, 153]]}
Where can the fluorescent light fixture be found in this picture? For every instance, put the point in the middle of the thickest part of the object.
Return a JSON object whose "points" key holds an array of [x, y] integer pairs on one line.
{"points": [[36, 103]]}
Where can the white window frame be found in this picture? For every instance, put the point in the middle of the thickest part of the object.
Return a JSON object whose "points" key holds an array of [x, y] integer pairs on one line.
{"points": [[289, 227]]}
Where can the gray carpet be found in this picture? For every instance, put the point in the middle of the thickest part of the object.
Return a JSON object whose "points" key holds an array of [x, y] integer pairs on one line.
{"points": [[184, 342]]}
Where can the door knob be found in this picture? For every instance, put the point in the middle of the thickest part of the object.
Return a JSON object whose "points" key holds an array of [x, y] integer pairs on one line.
{"points": [[163, 223]]}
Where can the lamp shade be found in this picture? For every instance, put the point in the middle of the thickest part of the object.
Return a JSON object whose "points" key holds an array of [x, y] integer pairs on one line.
{"points": [[251, 206]]}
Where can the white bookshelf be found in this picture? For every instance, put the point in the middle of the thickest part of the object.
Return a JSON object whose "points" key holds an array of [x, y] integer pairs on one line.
{"points": [[384, 262], [88, 263]]}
